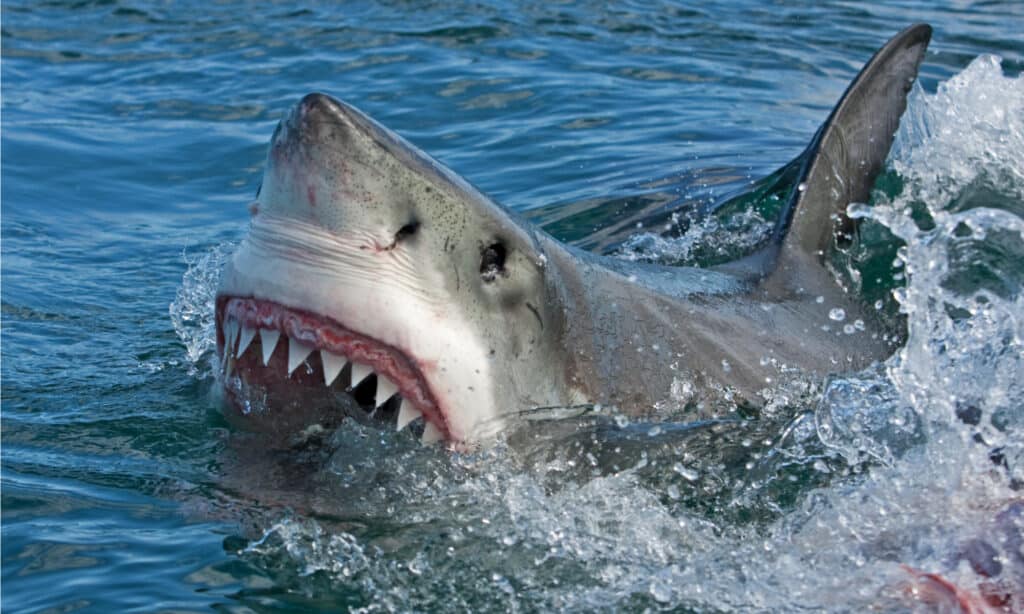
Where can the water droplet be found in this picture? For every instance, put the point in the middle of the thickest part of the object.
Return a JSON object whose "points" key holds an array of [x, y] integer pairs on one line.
{"points": [[686, 472], [837, 314]]}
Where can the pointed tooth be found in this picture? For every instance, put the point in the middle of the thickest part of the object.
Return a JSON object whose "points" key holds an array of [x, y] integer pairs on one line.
{"points": [[385, 390], [297, 352], [230, 334], [431, 434], [359, 373], [245, 339], [268, 338], [333, 365], [406, 414]]}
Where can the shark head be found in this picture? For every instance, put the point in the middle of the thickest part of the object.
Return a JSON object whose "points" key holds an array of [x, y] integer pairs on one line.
{"points": [[372, 271]]}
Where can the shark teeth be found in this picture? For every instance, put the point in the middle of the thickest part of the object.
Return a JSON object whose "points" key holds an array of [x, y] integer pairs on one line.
{"points": [[406, 414], [359, 373], [297, 353], [268, 338], [238, 338], [385, 390], [245, 339], [230, 334], [333, 364], [431, 434]]}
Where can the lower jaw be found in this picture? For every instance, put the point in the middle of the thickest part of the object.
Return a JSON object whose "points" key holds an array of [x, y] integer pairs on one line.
{"points": [[285, 407]]}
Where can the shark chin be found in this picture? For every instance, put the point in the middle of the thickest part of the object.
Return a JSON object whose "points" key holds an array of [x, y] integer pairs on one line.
{"points": [[376, 284]]}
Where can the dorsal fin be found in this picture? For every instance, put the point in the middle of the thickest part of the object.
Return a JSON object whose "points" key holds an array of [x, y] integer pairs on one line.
{"points": [[844, 157]]}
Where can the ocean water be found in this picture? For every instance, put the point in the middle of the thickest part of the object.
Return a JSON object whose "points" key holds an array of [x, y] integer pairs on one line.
{"points": [[133, 135]]}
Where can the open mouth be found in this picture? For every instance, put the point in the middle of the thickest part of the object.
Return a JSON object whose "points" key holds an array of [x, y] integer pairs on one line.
{"points": [[276, 358]]}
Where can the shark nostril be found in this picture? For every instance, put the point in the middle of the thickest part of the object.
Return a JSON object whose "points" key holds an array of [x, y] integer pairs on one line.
{"points": [[407, 231]]}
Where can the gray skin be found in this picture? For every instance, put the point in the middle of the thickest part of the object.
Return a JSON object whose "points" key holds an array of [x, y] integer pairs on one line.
{"points": [[517, 320]]}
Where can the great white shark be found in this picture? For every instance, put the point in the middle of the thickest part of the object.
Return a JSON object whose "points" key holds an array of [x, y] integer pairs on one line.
{"points": [[374, 275]]}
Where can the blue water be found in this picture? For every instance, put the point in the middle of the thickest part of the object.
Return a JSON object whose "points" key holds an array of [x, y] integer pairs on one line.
{"points": [[133, 136]]}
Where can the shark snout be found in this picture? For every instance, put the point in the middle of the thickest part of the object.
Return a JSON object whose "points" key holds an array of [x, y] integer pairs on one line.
{"points": [[317, 119], [324, 166], [316, 108]]}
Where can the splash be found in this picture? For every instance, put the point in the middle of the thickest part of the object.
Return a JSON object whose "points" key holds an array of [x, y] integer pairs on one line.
{"points": [[961, 155], [711, 239], [970, 132], [192, 310], [828, 503]]}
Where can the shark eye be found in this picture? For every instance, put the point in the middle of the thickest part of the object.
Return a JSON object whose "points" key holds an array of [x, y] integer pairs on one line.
{"points": [[492, 262]]}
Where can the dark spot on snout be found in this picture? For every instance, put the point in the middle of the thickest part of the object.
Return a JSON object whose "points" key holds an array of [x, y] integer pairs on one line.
{"points": [[492, 261], [407, 231]]}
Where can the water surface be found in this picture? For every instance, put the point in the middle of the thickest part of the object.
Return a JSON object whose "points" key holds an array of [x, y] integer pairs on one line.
{"points": [[133, 138]]}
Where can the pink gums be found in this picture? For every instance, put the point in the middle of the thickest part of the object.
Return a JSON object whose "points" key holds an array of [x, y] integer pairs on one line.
{"points": [[324, 334]]}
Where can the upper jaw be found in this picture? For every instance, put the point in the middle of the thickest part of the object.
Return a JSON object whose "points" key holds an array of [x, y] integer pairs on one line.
{"points": [[251, 331]]}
